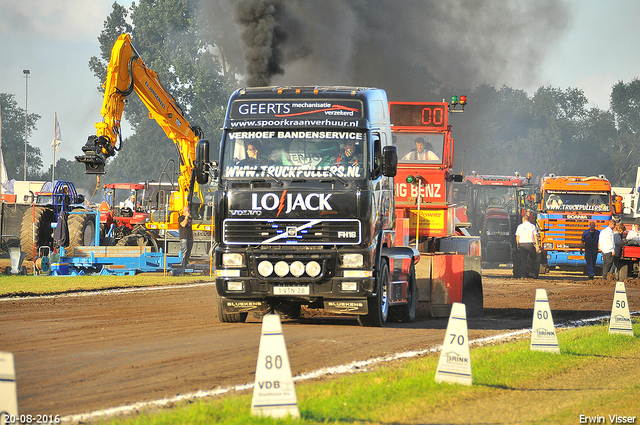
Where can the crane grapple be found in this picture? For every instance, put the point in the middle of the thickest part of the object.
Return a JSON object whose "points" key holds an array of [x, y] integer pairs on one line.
{"points": [[96, 151]]}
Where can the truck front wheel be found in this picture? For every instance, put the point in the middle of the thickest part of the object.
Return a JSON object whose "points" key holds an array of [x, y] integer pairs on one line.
{"points": [[378, 305], [229, 317], [407, 312]]}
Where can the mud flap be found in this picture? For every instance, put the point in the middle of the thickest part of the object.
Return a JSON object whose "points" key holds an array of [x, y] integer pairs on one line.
{"points": [[242, 306], [347, 306]]}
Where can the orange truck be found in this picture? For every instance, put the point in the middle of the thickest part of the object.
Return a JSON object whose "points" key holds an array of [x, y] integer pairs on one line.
{"points": [[566, 205], [449, 269]]}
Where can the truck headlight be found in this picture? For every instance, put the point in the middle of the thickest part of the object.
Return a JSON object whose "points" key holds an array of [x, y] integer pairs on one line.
{"points": [[281, 268], [265, 268], [313, 269], [231, 259], [297, 268], [352, 261], [547, 245]]}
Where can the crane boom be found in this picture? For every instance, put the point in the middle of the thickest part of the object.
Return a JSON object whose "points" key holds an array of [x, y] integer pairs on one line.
{"points": [[127, 72]]}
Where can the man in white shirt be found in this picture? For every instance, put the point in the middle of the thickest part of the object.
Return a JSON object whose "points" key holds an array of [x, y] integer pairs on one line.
{"points": [[130, 202], [607, 247], [634, 234], [527, 243], [422, 152]]}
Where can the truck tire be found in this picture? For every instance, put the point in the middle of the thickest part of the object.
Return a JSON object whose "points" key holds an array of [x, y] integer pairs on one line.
{"points": [[406, 313], [82, 231], [36, 229], [378, 305], [472, 296], [229, 317]]}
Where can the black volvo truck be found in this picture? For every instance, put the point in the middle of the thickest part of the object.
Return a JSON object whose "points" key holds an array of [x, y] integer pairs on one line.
{"points": [[304, 206]]}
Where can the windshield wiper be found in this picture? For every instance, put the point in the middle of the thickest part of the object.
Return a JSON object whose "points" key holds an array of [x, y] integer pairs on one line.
{"points": [[275, 179], [340, 179]]}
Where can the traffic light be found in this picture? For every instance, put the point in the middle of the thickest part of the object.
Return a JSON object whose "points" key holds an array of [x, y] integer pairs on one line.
{"points": [[415, 180], [455, 101]]}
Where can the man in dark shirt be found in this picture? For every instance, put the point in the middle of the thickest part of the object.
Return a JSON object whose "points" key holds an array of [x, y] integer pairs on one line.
{"points": [[350, 154], [589, 247], [186, 235]]}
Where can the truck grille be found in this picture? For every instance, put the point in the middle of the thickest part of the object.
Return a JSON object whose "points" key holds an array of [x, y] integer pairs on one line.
{"points": [[291, 232]]}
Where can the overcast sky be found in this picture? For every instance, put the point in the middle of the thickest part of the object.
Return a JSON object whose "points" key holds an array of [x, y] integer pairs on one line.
{"points": [[55, 39]]}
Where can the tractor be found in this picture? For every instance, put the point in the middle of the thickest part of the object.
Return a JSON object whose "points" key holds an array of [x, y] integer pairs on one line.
{"points": [[40, 220], [123, 214]]}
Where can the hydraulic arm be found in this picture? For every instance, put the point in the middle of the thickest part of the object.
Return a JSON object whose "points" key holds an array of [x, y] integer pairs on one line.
{"points": [[127, 72]]}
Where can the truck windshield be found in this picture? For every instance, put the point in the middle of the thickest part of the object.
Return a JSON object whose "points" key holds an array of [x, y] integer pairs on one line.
{"points": [[577, 201], [422, 148], [496, 197], [295, 154]]}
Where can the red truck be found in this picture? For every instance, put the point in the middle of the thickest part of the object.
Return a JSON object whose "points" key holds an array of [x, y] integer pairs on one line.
{"points": [[450, 264]]}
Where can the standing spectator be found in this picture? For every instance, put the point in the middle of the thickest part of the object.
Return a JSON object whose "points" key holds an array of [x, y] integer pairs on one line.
{"points": [[66, 199], [618, 242], [634, 233], [186, 235], [606, 246], [527, 243], [590, 247]]}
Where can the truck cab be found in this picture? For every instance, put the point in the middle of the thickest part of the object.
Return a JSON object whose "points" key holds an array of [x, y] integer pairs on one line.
{"points": [[304, 207], [566, 206]]}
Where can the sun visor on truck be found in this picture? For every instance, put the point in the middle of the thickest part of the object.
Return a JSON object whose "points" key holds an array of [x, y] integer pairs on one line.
{"points": [[282, 112]]}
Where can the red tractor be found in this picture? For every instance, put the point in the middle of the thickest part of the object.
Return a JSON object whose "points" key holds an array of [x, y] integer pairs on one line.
{"points": [[123, 214]]}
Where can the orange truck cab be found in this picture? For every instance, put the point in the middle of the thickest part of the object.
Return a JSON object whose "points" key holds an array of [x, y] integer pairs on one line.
{"points": [[566, 205]]}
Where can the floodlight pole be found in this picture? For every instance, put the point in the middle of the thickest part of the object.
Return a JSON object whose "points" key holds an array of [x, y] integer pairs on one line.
{"points": [[26, 73]]}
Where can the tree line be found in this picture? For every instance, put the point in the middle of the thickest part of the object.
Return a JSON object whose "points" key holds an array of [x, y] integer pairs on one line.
{"points": [[503, 130]]}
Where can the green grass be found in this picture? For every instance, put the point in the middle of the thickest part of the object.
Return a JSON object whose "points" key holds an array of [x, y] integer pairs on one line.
{"points": [[42, 285], [595, 374]]}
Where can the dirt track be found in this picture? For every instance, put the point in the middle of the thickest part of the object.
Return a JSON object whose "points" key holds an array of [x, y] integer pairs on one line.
{"points": [[76, 354]]}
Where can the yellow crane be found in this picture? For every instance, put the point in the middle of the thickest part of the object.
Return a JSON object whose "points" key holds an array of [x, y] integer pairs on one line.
{"points": [[127, 73]]}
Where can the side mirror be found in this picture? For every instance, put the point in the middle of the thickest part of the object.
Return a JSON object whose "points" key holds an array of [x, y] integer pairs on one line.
{"points": [[389, 161], [201, 163]]}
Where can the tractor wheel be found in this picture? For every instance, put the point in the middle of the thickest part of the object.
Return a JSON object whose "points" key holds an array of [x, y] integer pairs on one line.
{"points": [[623, 273], [141, 238], [150, 238], [132, 240], [36, 230], [82, 230]]}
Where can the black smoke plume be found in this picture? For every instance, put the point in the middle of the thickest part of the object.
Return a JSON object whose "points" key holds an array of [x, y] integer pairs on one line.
{"points": [[414, 49], [262, 37]]}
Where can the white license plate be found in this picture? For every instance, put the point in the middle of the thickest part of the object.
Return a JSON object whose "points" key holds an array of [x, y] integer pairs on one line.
{"points": [[290, 290]]}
